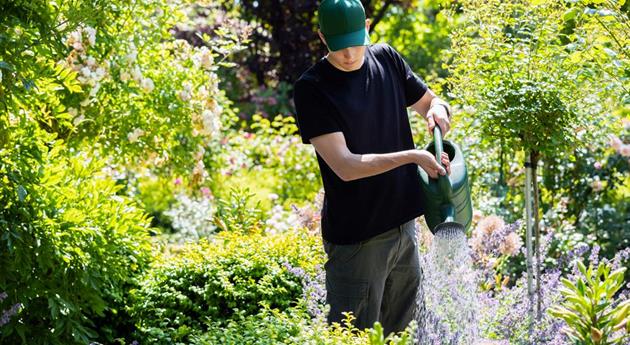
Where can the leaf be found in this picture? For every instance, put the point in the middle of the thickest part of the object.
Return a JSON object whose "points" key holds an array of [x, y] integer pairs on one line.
{"points": [[21, 193], [570, 14]]}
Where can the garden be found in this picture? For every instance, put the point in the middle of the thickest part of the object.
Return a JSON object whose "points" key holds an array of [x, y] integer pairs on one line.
{"points": [[154, 188]]}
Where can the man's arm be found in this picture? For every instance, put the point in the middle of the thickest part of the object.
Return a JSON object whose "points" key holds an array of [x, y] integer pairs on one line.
{"points": [[349, 166], [434, 110]]}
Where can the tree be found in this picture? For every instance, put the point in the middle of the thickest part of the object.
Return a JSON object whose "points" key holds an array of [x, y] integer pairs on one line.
{"points": [[513, 65]]}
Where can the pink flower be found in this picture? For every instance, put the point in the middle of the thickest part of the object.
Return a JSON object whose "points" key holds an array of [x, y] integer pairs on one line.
{"points": [[178, 181], [615, 142], [625, 150], [597, 165], [597, 185], [206, 192], [490, 224]]}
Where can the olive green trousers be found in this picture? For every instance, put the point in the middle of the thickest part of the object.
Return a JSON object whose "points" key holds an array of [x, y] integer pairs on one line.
{"points": [[377, 279]]}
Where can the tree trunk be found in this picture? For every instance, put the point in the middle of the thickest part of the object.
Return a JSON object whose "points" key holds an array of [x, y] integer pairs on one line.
{"points": [[534, 160], [528, 241]]}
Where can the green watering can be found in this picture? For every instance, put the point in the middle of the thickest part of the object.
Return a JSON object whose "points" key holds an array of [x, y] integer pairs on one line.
{"points": [[448, 208]]}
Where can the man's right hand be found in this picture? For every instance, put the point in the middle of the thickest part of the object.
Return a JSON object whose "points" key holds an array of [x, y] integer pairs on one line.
{"points": [[426, 160]]}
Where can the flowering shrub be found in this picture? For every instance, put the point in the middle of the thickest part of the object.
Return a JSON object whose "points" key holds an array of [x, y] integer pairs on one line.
{"points": [[275, 147], [191, 218]]}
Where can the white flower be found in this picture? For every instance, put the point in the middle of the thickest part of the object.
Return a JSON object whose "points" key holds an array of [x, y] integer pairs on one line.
{"points": [[91, 33], [147, 85], [124, 76], [131, 57], [99, 73], [0, 76], [78, 120], [187, 86], [133, 136], [206, 58], [73, 37], [86, 72], [95, 89], [90, 61], [136, 74], [184, 95], [73, 111], [77, 46]]}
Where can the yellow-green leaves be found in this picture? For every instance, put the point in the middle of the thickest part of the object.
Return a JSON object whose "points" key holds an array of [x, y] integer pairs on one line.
{"points": [[591, 313]]}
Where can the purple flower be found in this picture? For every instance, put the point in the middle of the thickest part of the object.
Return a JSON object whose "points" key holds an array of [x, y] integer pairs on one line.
{"points": [[6, 315]]}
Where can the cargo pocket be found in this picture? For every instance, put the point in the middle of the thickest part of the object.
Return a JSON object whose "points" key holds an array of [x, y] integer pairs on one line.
{"points": [[341, 253], [348, 295]]}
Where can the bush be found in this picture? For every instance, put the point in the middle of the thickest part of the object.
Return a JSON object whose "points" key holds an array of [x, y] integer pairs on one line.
{"points": [[70, 246], [294, 327], [219, 279]]}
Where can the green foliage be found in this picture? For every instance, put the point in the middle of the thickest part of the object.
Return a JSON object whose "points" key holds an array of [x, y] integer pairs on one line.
{"points": [[591, 313], [420, 33], [293, 326], [513, 69], [231, 275], [71, 246], [236, 212]]}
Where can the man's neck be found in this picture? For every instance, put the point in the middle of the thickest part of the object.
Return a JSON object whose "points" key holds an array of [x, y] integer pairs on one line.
{"points": [[343, 69]]}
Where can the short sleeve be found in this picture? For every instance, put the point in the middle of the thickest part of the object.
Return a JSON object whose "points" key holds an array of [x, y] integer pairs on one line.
{"points": [[314, 112], [414, 86]]}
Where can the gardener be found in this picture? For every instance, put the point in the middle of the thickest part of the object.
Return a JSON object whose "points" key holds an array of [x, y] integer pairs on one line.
{"points": [[352, 107]]}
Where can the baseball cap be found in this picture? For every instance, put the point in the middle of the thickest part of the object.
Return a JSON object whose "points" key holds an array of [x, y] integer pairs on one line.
{"points": [[343, 23]]}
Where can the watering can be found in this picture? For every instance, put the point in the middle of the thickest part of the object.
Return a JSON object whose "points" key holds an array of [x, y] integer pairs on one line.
{"points": [[448, 206]]}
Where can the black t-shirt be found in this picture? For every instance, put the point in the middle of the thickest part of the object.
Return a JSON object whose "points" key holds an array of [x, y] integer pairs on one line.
{"points": [[369, 106]]}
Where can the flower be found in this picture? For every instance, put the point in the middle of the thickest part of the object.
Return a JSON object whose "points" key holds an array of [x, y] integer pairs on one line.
{"points": [[124, 76], [147, 85], [615, 142], [178, 181], [91, 34], [133, 136], [511, 245], [490, 224], [206, 58], [625, 150], [205, 191], [136, 74], [597, 165], [597, 185]]}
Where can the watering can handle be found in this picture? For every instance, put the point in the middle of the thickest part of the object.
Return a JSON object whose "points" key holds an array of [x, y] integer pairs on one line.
{"points": [[439, 147], [444, 182]]}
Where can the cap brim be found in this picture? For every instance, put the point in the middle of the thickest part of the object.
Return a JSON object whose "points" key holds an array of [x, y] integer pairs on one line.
{"points": [[353, 39]]}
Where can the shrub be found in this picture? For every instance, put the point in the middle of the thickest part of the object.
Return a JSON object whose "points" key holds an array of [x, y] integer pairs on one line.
{"points": [[70, 246], [294, 327], [229, 276]]}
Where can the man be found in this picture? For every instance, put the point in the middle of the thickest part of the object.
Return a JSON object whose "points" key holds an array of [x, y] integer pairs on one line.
{"points": [[352, 107]]}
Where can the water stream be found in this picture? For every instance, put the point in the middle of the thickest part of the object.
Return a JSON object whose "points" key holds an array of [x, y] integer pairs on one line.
{"points": [[447, 304]]}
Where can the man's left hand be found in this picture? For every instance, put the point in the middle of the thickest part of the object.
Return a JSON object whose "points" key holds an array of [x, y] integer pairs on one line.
{"points": [[437, 114]]}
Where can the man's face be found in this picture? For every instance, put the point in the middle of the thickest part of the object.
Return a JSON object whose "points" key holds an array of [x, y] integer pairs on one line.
{"points": [[348, 59]]}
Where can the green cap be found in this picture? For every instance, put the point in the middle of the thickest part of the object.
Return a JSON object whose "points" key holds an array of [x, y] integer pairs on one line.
{"points": [[343, 24]]}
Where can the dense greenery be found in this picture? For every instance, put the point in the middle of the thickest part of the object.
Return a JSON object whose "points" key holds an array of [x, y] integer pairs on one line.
{"points": [[154, 188]]}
